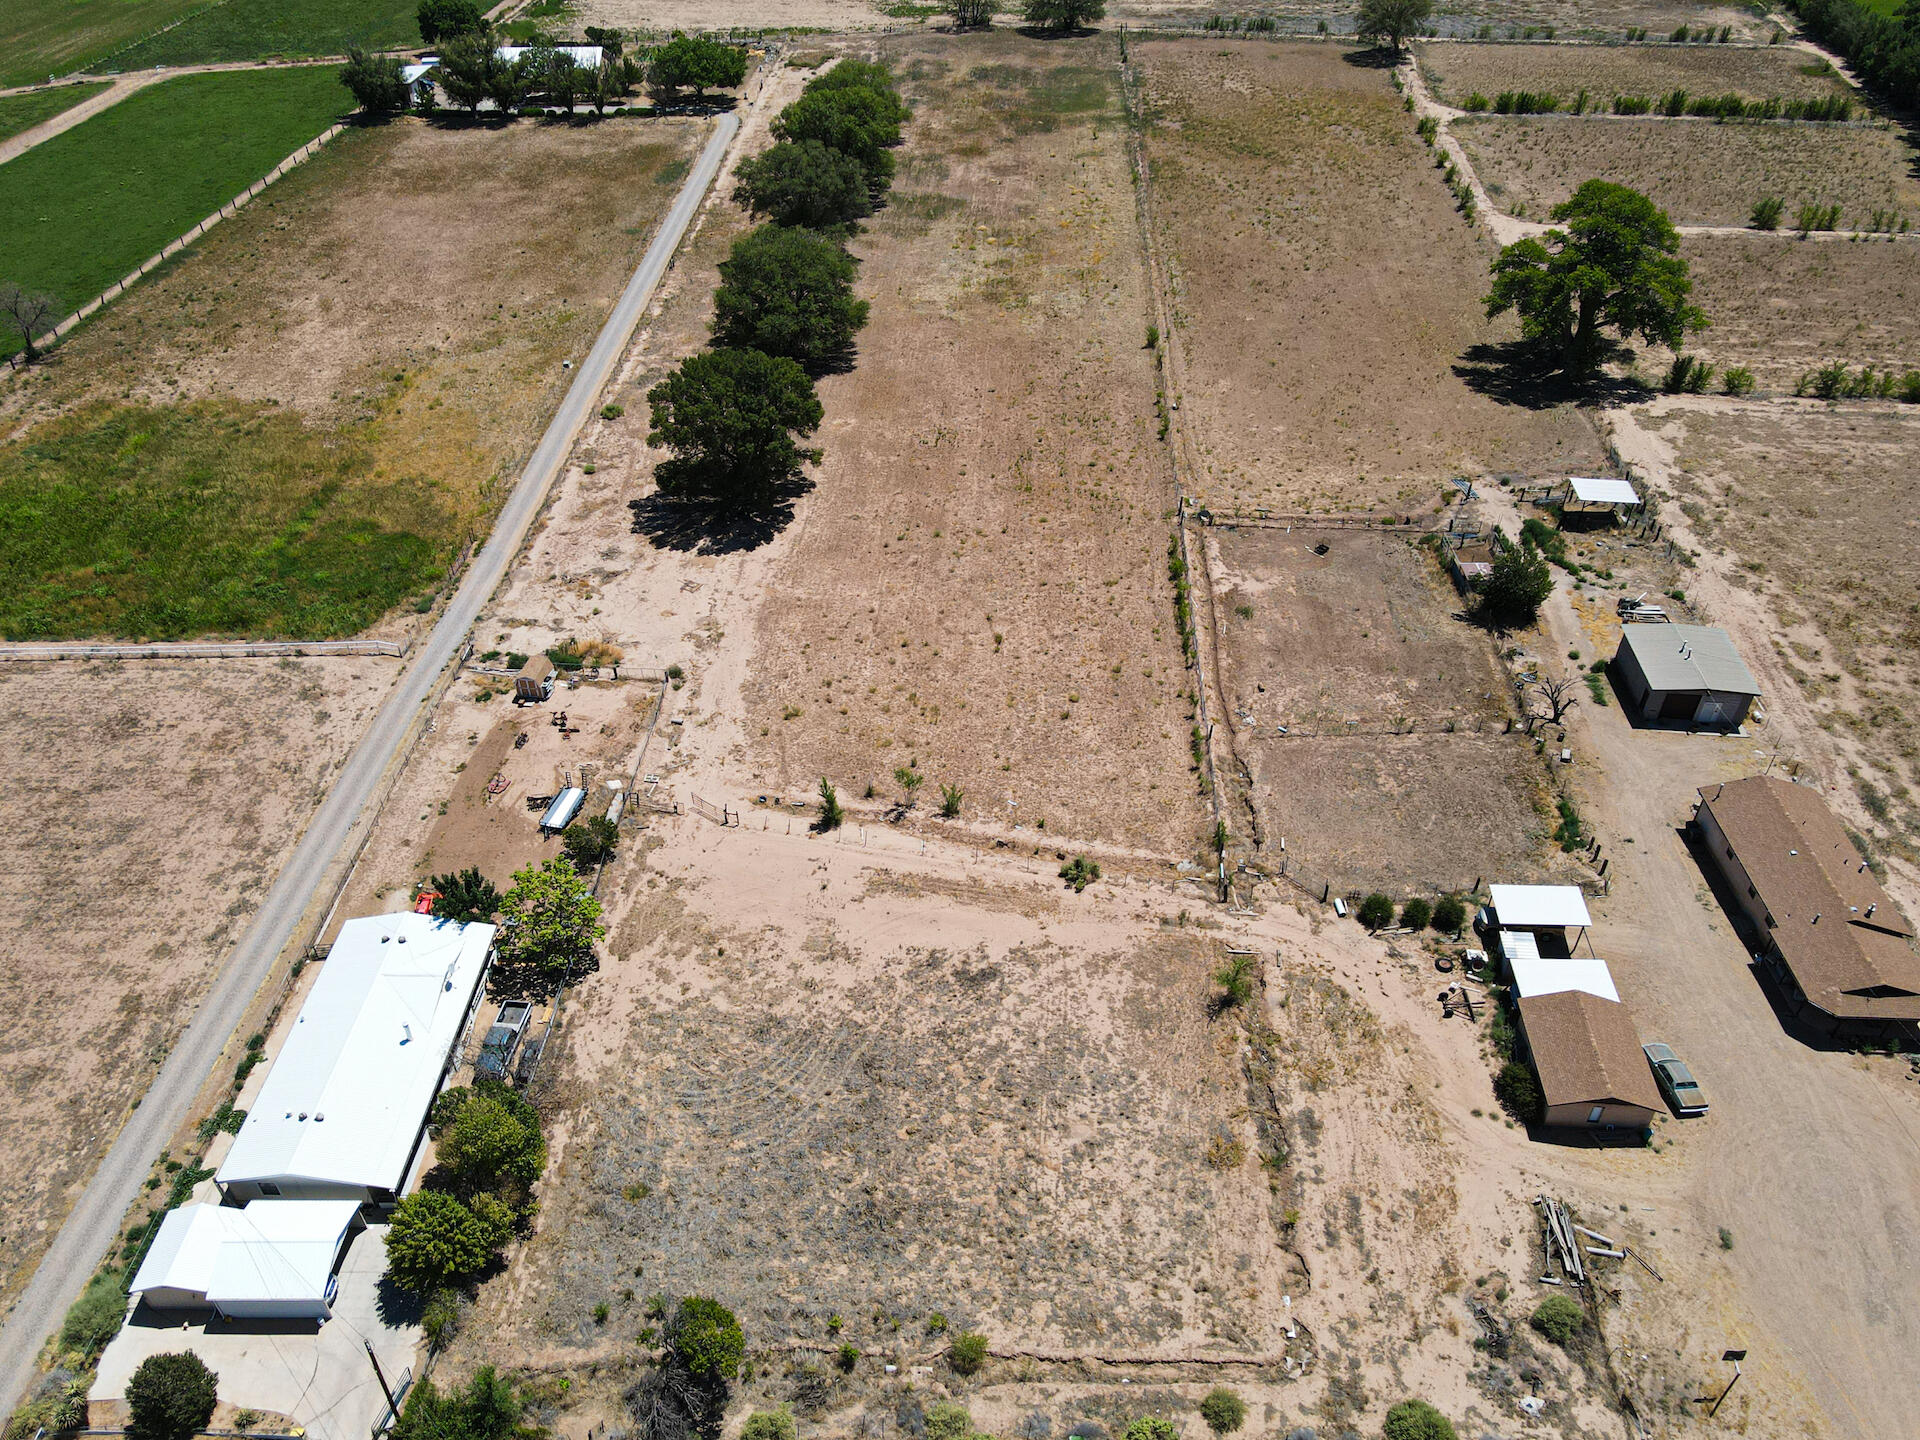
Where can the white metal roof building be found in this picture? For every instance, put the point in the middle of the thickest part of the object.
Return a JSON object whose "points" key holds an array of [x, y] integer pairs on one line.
{"points": [[586, 56], [273, 1259], [343, 1108], [1537, 976], [1690, 673], [1540, 907], [1599, 490]]}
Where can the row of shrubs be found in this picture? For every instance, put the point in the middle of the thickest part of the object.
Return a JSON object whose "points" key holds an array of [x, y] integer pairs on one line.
{"points": [[1689, 375], [1832, 109], [1448, 914], [1807, 218]]}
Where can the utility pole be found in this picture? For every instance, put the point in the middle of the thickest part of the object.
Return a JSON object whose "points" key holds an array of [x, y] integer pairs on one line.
{"points": [[393, 1407]]}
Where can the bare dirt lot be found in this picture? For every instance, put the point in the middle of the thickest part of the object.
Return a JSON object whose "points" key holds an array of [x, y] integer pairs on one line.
{"points": [[1784, 309], [1454, 71], [978, 584], [1372, 718], [875, 1097], [1701, 172], [1814, 503], [149, 805], [1325, 288]]}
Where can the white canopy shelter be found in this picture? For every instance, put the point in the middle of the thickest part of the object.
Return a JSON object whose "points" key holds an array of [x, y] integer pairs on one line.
{"points": [[1598, 490], [1536, 976], [1540, 907], [274, 1259]]}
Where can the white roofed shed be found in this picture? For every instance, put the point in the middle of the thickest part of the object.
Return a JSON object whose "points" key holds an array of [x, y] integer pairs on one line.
{"points": [[344, 1106], [1600, 490], [1540, 907], [273, 1259]]}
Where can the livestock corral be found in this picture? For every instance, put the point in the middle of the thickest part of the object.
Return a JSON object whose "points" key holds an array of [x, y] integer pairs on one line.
{"points": [[1374, 721]]}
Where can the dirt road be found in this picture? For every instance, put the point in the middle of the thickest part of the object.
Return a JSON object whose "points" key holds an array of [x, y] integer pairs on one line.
{"points": [[338, 824]]}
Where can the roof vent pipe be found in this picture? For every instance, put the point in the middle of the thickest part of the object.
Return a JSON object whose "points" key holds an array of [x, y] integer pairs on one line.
{"points": [[1816, 918], [1871, 908], [406, 1031]]}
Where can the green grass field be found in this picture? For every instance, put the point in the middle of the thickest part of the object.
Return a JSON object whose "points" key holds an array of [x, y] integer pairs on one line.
{"points": [[23, 112], [171, 522], [80, 211], [249, 29], [39, 38]]}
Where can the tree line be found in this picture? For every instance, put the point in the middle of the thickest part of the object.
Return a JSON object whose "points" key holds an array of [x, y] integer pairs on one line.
{"points": [[472, 70], [1883, 49], [734, 416]]}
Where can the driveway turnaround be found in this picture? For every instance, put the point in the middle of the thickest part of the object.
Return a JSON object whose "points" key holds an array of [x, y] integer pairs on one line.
{"points": [[342, 819]]}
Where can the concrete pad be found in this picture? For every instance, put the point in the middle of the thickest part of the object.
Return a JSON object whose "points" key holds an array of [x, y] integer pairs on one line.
{"points": [[317, 1374]]}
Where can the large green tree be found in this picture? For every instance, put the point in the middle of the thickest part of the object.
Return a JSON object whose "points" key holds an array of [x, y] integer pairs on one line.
{"points": [[1519, 585], [708, 1340], [488, 1408], [472, 72], [1390, 22], [1063, 14], [731, 418], [807, 184], [465, 895], [549, 919], [444, 19], [862, 75], [436, 1240], [170, 1396], [1616, 266], [856, 121], [788, 292], [494, 1142], [375, 81], [697, 63]]}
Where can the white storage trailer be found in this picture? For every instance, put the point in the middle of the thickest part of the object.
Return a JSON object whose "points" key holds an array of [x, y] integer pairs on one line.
{"points": [[560, 813]]}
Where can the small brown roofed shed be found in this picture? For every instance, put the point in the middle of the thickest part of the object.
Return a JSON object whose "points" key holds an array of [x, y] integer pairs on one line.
{"points": [[1848, 945], [1588, 1056], [534, 680]]}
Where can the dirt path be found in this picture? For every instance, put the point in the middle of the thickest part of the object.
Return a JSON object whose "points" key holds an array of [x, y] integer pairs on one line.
{"points": [[1799, 1134], [119, 88], [97, 1215], [1506, 229]]}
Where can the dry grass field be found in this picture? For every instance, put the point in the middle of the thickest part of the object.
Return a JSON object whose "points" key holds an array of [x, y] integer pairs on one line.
{"points": [[1816, 506], [1454, 72], [1326, 291], [1784, 309], [1569, 19], [1701, 172], [978, 584], [382, 334], [1324, 658], [149, 805]]}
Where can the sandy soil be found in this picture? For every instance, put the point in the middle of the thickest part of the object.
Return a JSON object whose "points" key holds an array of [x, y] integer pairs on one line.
{"points": [[1700, 172], [1324, 661], [1783, 309], [1327, 293], [989, 597], [1811, 503], [699, 15], [150, 804], [1774, 72]]}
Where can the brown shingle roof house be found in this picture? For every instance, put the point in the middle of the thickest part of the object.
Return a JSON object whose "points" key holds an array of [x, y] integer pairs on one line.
{"points": [[1835, 939], [1587, 1054]]}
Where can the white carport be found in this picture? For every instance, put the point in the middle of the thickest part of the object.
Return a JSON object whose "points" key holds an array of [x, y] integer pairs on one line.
{"points": [[1541, 909], [1599, 490], [273, 1259]]}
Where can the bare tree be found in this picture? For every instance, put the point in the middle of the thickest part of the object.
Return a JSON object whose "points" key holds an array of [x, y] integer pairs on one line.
{"points": [[30, 312], [1560, 697]]}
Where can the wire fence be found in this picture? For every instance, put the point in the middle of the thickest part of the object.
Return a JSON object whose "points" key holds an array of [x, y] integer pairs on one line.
{"points": [[202, 649], [173, 248]]}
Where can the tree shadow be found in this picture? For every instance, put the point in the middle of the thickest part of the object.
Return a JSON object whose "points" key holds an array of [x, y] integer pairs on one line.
{"points": [[397, 1307], [713, 527], [1372, 57], [525, 980], [1038, 32], [1517, 372]]}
